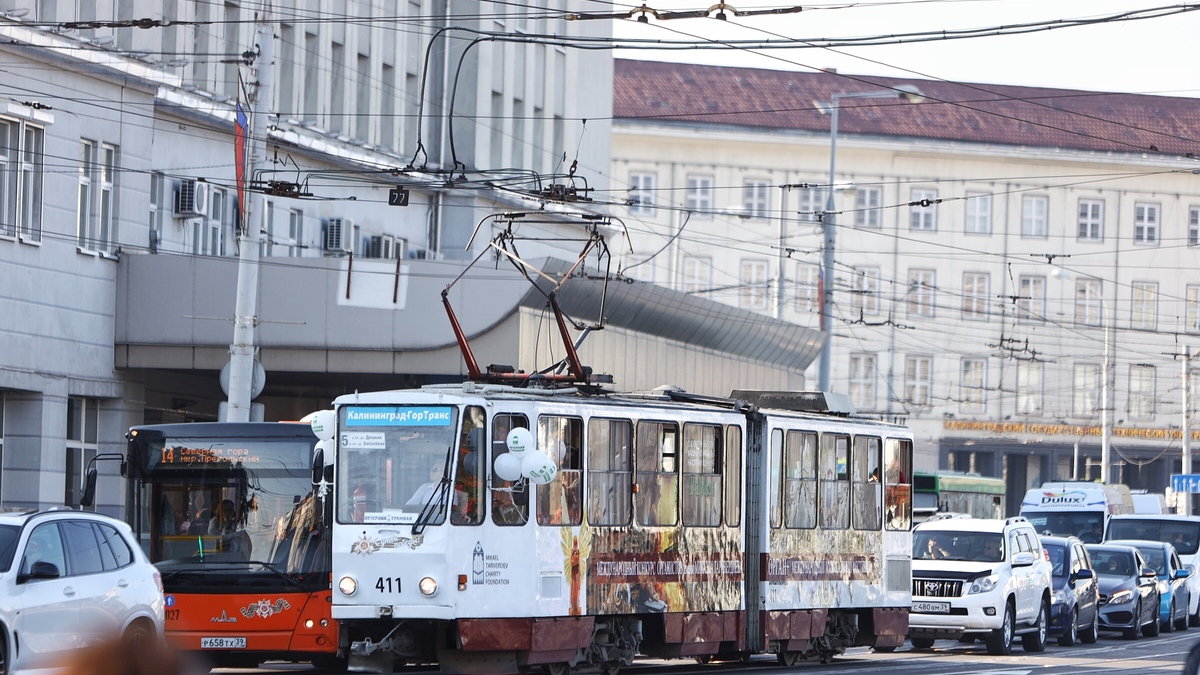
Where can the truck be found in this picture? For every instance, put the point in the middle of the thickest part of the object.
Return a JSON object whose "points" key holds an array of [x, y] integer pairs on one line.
{"points": [[1075, 509]]}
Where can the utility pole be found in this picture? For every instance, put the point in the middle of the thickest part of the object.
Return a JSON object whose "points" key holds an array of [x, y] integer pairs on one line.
{"points": [[1186, 507], [241, 352]]}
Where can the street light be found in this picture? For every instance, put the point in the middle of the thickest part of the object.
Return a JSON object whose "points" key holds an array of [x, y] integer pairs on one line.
{"points": [[1104, 383], [906, 92]]}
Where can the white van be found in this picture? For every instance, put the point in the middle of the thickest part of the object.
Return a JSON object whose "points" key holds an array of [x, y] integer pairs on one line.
{"points": [[1183, 532], [1075, 509], [1149, 502]]}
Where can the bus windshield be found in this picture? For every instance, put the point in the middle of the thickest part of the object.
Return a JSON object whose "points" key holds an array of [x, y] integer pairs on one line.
{"points": [[393, 463], [1087, 525], [1182, 534], [227, 502]]}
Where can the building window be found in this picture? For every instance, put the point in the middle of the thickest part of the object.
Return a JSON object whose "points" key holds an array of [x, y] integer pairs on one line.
{"points": [[1031, 299], [808, 288], [1194, 226], [699, 196], [974, 382], [697, 274], [158, 208], [295, 240], [921, 290], [1145, 223], [1087, 390], [864, 298], [83, 226], [108, 195], [862, 381], [975, 295], [1141, 391], [1192, 310], [215, 223], [1091, 219], [639, 270], [641, 193], [1029, 388], [1089, 307], [868, 207], [756, 198], [82, 418], [22, 157], [268, 232], [753, 293], [979, 213], [923, 215], [918, 378], [812, 204], [1143, 311], [1034, 215], [97, 196]]}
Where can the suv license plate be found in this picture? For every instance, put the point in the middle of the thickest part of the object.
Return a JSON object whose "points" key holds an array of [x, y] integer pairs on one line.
{"points": [[936, 607], [222, 643]]}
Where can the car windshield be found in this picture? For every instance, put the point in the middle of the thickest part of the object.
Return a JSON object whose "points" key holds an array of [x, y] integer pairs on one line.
{"points": [[9, 534], [975, 546], [1112, 563], [1156, 558], [1182, 534]]}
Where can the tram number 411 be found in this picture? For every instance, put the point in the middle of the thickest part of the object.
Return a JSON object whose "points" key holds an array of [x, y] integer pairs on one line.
{"points": [[384, 584], [398, 196]]}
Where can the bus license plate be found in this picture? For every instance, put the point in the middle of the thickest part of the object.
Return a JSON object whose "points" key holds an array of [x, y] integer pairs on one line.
{"points": [[931, 607], [222, 643]]}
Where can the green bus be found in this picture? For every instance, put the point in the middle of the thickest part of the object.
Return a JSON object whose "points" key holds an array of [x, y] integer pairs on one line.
{"points": [[954, 492]]}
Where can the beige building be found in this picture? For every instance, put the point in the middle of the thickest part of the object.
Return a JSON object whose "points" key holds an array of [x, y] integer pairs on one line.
{"points": [[993, 243]]}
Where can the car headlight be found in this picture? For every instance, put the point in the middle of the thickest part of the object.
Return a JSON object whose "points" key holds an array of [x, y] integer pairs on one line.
{"points": [[428, 586], [984, 584], [1060, 596], [347, 585], [1121, 597]]}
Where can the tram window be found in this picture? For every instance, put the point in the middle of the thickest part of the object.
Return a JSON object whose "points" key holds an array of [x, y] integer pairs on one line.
{"points": [[864, 468], [560, 502], [610, 471], [702, 455], [733, 476], [468, 488], [897, 492], [508, 508], [835, 481], [657, 480], [801, 479], [775, 489]]}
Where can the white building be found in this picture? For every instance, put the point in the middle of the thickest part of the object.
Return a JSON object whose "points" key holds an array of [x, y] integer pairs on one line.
{"points": [[946, 308]]}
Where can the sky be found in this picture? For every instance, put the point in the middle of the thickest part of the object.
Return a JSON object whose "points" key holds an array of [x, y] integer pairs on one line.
{"points": [[1153, 56]]}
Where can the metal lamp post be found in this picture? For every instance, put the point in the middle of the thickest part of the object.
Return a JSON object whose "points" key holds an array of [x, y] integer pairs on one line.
{"points": [[905, 92], [1104, 383]]}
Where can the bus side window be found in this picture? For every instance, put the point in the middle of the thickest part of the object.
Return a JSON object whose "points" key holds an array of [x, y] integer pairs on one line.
{"points": [[835, 481], [866, 486], [471, 457], [801, 479], [733, 476], [560, 502], [508, 508], [610, 471], [657, 477], [897, 495]]}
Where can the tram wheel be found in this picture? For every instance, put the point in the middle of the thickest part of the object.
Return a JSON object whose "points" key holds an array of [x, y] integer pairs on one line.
{"points": [[789, 659], [557, 669]]}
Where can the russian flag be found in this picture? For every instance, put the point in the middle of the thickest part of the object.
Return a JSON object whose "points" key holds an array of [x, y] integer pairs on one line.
{"points": [[240, 133]]}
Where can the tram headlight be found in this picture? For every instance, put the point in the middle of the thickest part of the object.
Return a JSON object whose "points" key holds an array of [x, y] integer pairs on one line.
{"points": [[347, 585], [428, 586]]}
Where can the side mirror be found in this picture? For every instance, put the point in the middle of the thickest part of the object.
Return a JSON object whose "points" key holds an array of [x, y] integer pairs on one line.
{"points": [[1182, 574], [41, 569], [318, 466], [1023, 559], [89, 493], [1084, 573], [1148, 572]]}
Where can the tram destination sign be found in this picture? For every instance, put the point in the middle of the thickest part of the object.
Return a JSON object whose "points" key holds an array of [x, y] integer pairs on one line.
{"points": [[1185, 482]]}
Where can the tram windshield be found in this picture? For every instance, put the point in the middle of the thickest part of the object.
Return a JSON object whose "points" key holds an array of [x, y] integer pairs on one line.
{"points": [[393, 463]]}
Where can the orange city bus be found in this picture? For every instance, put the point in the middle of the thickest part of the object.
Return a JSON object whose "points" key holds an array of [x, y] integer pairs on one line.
{"points": [[228, 514]]}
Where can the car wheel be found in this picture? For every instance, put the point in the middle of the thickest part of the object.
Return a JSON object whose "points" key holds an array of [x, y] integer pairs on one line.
{"points": [[3, 652], [1135, 631], [1070, 636], [1036, 641], [921, 643], [1092, 634], [1152, 626], [1168, 626], [1182, 622], [137, 636], [999, 641]]}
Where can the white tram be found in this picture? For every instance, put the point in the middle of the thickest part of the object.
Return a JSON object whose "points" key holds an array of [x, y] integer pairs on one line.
{"points": [[660, 524]]}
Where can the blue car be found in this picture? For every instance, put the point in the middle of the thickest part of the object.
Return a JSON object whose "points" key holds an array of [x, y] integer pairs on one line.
{"points": [[1172, 581], [1075, 607]]}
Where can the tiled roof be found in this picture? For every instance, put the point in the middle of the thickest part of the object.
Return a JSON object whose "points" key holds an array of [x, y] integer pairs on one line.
{"points": [[953, 111]]}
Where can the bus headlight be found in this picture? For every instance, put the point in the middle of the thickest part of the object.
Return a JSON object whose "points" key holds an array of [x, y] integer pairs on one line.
{"points": [[428, 587], [347, 585]]}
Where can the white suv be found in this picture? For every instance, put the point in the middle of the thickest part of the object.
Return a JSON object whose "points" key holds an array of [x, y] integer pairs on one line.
{"points": [[977, 578], [69, 579]]}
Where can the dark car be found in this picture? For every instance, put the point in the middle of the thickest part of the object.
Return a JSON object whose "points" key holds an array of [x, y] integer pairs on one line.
{"points": [[1129, 597], [1075, 612], [1172, 581]]}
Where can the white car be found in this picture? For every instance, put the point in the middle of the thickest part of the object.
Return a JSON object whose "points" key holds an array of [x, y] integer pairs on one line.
{"points": [[979, 578], [70, 579]]}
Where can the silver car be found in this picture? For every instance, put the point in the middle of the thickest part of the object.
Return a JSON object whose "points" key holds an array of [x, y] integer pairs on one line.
{"points": [[69, 579]]}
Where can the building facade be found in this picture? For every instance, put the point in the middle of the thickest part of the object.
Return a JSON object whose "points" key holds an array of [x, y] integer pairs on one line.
{"points": [[996, 248]]}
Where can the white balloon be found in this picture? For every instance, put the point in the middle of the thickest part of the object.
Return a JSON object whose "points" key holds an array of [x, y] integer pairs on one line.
{"points": [[507, 467], [538, 468], [326, 448], [324, 424], [519, 440]]}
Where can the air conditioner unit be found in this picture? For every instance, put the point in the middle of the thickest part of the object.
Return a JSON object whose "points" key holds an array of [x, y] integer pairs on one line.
{"points": [[338, 234], [424, 254], [379, 246], [191, 198]]}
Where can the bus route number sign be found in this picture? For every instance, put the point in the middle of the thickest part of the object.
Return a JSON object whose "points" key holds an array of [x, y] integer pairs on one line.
{"points": [[364, 440]]}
